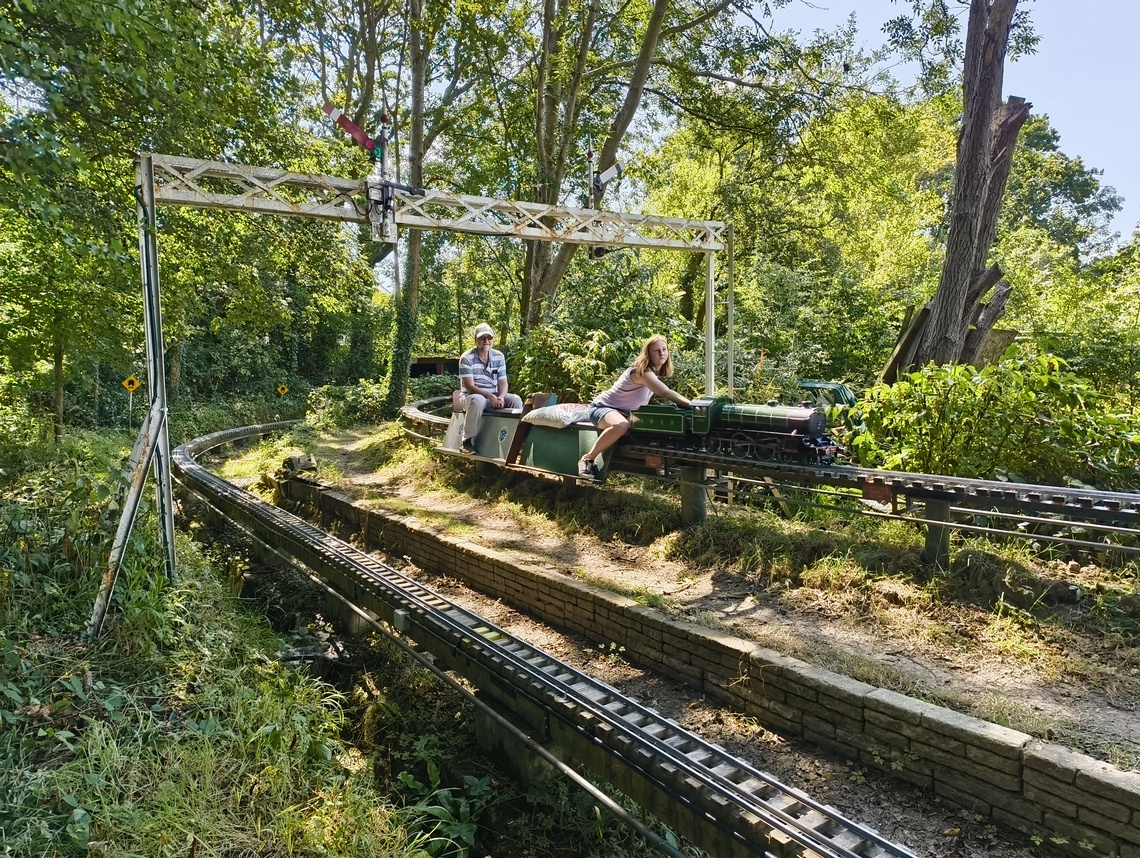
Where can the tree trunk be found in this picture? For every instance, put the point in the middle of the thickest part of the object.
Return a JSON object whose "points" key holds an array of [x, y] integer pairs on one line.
{"points": [[989, 314], [545, 268], [95, 395], [985, 153], [175, 378], [408, 300]]}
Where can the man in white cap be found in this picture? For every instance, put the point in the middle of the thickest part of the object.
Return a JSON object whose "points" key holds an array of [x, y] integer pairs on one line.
{"points": [[483, 377]]}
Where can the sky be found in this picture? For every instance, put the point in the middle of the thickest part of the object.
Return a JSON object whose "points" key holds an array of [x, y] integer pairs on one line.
{"points": [[1083, 76]]}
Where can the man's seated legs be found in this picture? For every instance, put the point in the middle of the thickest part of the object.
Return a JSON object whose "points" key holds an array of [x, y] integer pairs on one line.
{"points": [[473, 404]]}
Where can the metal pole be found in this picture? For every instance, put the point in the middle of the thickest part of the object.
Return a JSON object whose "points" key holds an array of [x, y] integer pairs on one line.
{"points": [[730, 320], [710, 326], [141, 457], [155, 352], [937, 549], [694, 498]]}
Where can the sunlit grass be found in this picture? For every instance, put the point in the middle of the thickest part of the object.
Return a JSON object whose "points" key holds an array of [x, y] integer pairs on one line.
{"points": [[179, 732], [641, 595]]}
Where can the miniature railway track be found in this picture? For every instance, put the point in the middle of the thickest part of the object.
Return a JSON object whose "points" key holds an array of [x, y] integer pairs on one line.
{"points": [[1034, 510], [745, 811], [1085, 504]]}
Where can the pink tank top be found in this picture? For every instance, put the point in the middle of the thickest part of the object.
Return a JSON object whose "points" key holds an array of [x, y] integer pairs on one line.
{"points": [[626, 393]]}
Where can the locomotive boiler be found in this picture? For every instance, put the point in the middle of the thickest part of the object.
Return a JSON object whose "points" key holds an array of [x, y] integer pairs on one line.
{"points": [[720, 426]]}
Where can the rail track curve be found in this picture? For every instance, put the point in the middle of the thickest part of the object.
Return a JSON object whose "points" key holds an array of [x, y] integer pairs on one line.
{"points": [[1079, 516], [722, 804]]}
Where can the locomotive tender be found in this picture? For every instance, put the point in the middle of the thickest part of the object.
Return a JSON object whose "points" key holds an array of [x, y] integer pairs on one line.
{"points": [[717, 425]]}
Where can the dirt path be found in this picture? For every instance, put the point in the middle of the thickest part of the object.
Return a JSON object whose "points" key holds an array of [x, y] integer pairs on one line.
{"points": [[918, 647]]}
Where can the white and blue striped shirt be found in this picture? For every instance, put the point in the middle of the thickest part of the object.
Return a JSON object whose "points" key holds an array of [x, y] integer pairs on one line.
{"points": [[485, 376]]}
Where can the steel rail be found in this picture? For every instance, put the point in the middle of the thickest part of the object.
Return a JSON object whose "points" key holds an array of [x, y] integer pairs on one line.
{"points": [[963, 510], [502, 721], [959, 525], [1122, 506], [1092, 504], [621, 727], [1093, 509]]}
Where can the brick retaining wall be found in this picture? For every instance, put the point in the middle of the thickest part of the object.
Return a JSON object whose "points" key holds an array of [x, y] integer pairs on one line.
{"points": [[1003, 774]]}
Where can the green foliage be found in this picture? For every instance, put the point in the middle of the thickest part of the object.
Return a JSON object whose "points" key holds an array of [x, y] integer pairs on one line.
{"points": [[431, 386], [334, 406], [448, 817], [1057, 193], [1026, 418], [547, 360], [180, 731], [194, 419], [577, 366]]}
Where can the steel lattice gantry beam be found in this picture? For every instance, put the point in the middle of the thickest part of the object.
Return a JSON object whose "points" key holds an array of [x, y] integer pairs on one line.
{"points": [[217, 185], [387, 205], [264, 190]]}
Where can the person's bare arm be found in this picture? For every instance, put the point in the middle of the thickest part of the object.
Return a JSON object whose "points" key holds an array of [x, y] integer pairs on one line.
{"points": [[658, 387]]}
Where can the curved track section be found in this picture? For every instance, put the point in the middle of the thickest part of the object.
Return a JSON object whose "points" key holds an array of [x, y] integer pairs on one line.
{"points": [[721, 803], [1078, 516]]}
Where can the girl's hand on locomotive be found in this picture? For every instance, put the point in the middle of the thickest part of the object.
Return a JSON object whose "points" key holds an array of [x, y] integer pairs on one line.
{"points": [[650, 380]]}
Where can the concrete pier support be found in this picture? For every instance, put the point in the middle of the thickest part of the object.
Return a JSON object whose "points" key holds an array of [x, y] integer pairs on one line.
{"points": [[937, 549], [694, 498]]}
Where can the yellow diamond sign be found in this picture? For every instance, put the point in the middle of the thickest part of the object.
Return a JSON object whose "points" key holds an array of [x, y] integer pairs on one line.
{"points": [[282, 389], [131, 383]]}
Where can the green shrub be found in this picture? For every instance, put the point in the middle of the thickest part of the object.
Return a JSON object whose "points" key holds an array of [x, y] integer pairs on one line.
{"points": [[189, 419], [180, 731], [334, 406], [573, 367], [1026, 418], [576, 366], [431, 386]]}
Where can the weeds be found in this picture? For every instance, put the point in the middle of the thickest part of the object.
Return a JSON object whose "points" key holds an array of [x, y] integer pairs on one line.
{"points": [[180, 731]]}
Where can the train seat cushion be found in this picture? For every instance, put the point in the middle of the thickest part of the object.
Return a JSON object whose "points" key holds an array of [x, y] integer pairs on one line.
{"points": [[558, 416]]}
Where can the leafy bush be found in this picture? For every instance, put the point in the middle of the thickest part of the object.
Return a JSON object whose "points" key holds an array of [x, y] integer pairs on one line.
{"points": [[431, 386], [578, 366], [573, 367], [1027, 418], [19, 428], [190, 419], [334, 406], [125, 746]]}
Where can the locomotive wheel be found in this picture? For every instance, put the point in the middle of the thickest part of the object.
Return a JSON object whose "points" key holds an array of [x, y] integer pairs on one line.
{"points": [[766, 451], [717, 445], [742, 446]]}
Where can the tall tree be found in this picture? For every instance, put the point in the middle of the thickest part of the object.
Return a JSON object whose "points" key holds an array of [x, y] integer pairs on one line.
{"points": [[583, 60], [985, 152], [361, 58], [84, 86]]}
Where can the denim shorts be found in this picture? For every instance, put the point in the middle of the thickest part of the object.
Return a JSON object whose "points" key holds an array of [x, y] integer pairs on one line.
{"points": [[597, 412]]}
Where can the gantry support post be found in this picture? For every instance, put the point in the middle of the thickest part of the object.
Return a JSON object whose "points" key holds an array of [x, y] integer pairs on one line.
{"points": [[155, 352]]}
